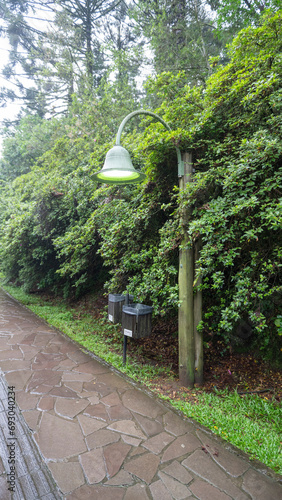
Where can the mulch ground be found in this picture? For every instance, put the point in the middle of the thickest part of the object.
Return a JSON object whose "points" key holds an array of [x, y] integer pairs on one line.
{"points": [[223, 368]]}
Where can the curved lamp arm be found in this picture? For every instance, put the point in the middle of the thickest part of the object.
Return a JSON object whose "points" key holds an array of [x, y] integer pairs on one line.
{"points": [[149, 113]]}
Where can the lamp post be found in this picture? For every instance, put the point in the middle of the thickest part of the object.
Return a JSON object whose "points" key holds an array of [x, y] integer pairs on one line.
{"points": [[118, 169]]}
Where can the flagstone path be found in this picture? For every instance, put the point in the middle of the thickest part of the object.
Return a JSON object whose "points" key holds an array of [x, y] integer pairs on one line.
{"points": [[83, 431]]}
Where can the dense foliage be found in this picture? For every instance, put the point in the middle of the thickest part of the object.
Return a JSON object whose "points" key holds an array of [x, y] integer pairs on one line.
{"points": [[60, 231]]}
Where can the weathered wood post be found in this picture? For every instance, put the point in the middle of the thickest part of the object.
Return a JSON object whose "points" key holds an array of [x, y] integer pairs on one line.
{"points": [[198, 335], [186, 278]]}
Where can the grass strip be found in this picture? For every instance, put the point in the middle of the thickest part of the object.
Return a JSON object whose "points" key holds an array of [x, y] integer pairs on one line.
{"points": [[251, 423]]}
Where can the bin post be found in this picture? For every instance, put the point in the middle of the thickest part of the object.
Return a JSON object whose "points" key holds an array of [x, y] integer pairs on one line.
{"points": [[124, 349]]}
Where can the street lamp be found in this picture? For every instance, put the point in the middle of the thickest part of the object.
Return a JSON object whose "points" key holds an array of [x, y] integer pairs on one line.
{"points": [[118, 169]]}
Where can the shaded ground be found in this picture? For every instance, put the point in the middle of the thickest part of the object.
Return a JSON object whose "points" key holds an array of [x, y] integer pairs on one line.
{"points": [[223, 368]]}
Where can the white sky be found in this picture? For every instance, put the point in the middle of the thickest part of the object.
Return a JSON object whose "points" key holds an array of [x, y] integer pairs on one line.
{"points": [[11, 109]]}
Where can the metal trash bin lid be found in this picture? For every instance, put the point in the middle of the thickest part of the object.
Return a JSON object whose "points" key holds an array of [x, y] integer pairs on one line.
{"points": [[116, 297], [137, 309]]}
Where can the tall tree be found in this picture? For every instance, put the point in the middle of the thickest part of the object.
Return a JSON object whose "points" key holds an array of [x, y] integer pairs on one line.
{"points": [[233, 15], [53, 44], [181, 35]]}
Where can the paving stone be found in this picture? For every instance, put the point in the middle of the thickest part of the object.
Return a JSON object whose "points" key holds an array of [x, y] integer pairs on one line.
{"points": [[16, 338], [203, 465], [176, 425], [4, 339], [76, 377], [206, 491], [178, 490], [181, 446], [260, 487], [115, 455], [46, 377], [127, 427], [101, 438], [85, 393], [53, 348], [41, 389], [15, 353], [29, 352], [93, 367], [89, 424], [66, 364], [131, 440], [112, 399], [122, 478], [118, 413], [136, 492], [138, 451], [144, 467], [29, 339], [97, 411], [68, 476], [149, 426], [53, 437], [32, 418], [66, 346], [70, 407], [87, 492], [234, 465], [46, 361], [93, 465], [43, 338], [157, 443], [178, 472], [97, 387], [78, 356], [75, 386], [18, 379], [113, 380], [159, 491], [140, 403], [26, 401], [14, 364], [46, 403], [62, 392], [93, 400]]}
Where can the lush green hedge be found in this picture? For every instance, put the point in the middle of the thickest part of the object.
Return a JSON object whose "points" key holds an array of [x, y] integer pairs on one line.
{"points": [[61, 231]]}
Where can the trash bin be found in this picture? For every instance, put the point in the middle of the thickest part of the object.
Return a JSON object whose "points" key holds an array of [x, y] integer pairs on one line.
{"points": [[115, 303], [137, 320]]}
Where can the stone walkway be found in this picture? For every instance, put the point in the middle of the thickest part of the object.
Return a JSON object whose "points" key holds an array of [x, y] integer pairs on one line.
{"points": [[98, 435]]}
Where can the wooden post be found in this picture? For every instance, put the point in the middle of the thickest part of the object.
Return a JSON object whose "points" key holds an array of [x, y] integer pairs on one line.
{"points": [[198, 335], [186, 278]]}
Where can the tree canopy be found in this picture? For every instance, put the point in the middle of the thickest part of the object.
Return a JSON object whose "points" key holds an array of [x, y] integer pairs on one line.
{"points": [[61, 231]]}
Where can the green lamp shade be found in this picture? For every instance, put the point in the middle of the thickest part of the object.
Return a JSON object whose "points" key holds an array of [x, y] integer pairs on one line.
{"points": [[118, 168]]}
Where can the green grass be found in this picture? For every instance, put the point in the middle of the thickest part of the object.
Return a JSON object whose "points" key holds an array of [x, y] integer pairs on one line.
{"points": [[251, 423]]}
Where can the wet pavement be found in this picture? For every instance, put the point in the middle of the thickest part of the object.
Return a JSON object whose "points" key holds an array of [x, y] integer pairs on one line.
{"points": [[73, 428]]}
